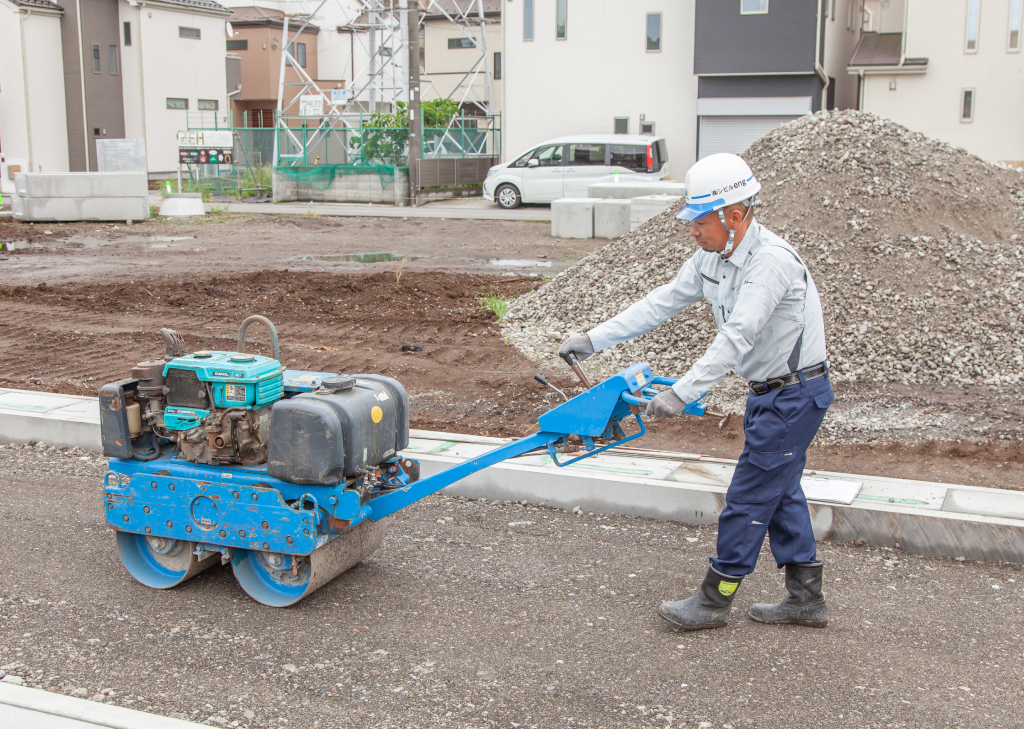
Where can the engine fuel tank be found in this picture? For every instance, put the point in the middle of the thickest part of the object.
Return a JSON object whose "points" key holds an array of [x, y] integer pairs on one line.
{"points": [[326, 436]]}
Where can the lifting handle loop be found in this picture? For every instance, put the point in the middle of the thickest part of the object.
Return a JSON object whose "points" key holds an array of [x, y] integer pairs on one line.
{"points": [[268, 324]]}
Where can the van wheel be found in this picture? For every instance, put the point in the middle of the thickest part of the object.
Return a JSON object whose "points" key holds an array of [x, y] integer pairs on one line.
{"points": [[508, 197]]}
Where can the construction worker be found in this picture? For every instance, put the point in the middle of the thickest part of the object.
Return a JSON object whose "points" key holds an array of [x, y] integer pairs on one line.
{"points": [[772, 333]]}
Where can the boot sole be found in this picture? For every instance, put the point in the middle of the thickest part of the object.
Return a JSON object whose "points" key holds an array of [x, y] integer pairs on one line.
{"points": [[680, 626], [804, 623]]}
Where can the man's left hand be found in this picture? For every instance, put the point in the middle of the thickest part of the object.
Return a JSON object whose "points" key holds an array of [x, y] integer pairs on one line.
{"points": [[664, 405]]}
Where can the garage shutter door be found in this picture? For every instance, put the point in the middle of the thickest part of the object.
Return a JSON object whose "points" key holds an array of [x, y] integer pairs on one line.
{"points": [[735, 133]]}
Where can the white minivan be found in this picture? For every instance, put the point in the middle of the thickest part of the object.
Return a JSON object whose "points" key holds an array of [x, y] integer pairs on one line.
{"points": [[565, 167]]}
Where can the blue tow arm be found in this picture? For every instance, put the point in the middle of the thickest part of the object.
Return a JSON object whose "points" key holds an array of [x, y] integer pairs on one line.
{"points": [[595, 413]]}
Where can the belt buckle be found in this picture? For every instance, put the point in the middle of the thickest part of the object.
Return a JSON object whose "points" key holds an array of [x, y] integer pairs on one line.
{"points": [[776, 383]]}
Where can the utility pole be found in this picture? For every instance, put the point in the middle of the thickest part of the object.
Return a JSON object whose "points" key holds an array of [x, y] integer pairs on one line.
{"points": [[415, 115]]}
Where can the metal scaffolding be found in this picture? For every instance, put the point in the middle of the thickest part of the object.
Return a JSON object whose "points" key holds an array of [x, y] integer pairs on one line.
{"points": [[381, 30]]}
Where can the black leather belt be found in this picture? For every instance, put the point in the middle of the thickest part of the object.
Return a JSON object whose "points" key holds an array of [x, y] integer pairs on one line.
{"points": [[777, 383]]}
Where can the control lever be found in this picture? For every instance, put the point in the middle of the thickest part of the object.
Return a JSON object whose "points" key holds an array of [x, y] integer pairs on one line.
{"points": [[544, 381], [574, 362]]}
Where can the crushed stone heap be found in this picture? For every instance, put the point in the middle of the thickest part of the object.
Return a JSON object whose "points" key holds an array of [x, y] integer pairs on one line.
{"points": [[916, 248]]}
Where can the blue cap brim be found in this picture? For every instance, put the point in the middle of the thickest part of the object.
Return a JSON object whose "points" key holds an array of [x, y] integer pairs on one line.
{"points": [[696, 210]]}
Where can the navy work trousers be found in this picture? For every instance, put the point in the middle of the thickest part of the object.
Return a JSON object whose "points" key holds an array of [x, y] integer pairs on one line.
{"points": [[765, 494]]}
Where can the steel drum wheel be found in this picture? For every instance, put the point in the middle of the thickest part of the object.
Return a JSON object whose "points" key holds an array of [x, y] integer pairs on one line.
{"points": [[278, 581], [160, 562]]}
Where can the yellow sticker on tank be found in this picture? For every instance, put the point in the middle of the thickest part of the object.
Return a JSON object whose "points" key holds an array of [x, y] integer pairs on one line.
{"points": [[376, 413]]}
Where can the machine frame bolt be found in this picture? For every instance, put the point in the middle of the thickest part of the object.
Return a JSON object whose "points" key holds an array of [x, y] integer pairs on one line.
{"points": [[255, 496], [241, 533], [287, 539], [223, 533], [145, 509], [265, 525], [148, 530], [125, 517], [188, 529], [234, 494]]}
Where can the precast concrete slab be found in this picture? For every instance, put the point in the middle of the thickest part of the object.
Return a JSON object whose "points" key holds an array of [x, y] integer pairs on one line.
{"points": [[27, 708], [573, 217], [445, 210], [646, 207], [611, 218], [81, 184], [922, 517], [71, 209], [182, 205], [66, 420], [626, 190]]}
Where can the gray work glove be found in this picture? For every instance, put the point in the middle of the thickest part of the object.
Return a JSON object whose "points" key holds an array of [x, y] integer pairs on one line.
{"points": [[665, 404], [581, 345]]}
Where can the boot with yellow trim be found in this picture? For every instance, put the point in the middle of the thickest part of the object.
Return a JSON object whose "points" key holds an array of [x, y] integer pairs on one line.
{"points": [[804, 605], [709, 608]]}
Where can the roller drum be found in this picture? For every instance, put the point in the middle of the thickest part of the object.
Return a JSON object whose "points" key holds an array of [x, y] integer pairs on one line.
{"points": [[278, 581]]}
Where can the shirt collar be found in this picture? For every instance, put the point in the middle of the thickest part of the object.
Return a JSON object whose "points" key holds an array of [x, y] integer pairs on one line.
{"points": [[746, 247]]}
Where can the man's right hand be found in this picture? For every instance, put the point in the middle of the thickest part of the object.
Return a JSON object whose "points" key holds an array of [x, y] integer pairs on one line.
{"points": [[581, 345]]}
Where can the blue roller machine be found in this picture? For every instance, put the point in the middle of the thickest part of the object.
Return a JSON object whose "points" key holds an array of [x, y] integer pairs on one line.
{"points": [[219, 457]]}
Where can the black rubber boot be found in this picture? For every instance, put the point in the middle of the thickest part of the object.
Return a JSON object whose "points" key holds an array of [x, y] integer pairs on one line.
{"points": [[804, 605], [709, 608]]}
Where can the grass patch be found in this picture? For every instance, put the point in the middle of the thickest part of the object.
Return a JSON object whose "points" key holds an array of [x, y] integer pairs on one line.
{"points": [[154, 211], [494, 303]]}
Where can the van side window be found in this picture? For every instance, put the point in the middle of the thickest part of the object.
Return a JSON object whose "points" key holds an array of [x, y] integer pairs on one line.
{"points": [[550, 156], [630, 156], [586, 154]]}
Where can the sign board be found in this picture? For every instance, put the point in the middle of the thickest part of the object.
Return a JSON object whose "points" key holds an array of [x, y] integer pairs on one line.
{"points": [[206, 147], [340, 96], [121, 155], [311, 105]]}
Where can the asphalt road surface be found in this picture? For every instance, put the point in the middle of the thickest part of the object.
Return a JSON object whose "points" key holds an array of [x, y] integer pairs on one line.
{"points": [[479, 614]]}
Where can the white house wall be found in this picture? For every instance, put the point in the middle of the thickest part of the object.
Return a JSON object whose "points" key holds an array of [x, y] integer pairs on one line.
{"points": [[47, 121], [930, 103], [545, 93], [173, 67], [446, 67], [841, 36]]}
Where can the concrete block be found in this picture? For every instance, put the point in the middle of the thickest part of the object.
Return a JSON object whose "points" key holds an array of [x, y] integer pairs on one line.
{"points": [[611, 218], [627, 190], [81, 184], [182, 205], [642, 209], [573, 217], [70, 209]]}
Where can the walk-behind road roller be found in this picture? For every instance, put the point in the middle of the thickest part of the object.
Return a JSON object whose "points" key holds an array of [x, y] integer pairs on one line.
{"points": [[288, 475]]}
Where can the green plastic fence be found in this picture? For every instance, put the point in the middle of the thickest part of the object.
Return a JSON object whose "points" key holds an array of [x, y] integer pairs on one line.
{"points": [[321, 176]]}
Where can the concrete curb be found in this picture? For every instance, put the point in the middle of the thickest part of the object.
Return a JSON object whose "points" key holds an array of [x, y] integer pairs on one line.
{"points": [[35, 708], [925, 518]]}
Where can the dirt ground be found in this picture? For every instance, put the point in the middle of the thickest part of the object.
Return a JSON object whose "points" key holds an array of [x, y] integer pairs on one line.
{"points": [[475, 615], [85, 302]]}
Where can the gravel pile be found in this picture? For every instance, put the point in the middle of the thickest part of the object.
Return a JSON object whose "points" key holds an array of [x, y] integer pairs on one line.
{"points": [[917, 249]]}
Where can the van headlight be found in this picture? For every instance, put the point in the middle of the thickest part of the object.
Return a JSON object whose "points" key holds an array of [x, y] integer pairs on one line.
{"points": [[492, 171]]}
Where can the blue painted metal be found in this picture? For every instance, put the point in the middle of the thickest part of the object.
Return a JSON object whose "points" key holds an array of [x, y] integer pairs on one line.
{"points": [[176, 418], [243, 511], [238, 380], [303, 381]]}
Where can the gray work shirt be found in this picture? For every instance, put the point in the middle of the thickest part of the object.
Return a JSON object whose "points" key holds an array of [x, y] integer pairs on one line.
{"points": [[763, 299]]}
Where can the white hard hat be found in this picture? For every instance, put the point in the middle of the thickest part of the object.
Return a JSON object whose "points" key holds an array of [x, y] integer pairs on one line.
{"points": [[715, 182]]}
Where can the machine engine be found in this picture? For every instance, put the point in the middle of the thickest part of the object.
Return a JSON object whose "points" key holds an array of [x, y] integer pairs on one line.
{"points": [[224, 408]]}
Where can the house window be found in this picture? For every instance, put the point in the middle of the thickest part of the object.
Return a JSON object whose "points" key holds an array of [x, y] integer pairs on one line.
{"points": [[177, 103], [461, 43], [653, 32], [1013, 42], [238, 45], [497, 66], [299, 56], [527, 20], [184, 32], [622, 125], [96, 58], [560, 12], [973, 13], [113, 60], [967, 105], [753, 7], [127, 33], [647, 128], [208, 105]]}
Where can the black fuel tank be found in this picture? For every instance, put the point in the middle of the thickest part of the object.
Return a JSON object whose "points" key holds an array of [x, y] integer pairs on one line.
{"points": [[324, 437]]}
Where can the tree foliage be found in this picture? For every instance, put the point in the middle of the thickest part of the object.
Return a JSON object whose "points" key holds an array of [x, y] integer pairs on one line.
{"points": [[385, 139]]}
